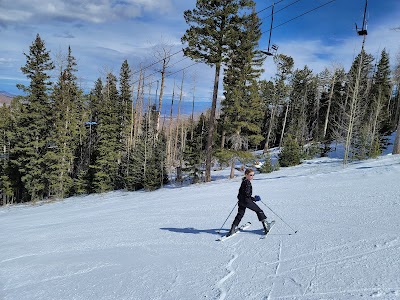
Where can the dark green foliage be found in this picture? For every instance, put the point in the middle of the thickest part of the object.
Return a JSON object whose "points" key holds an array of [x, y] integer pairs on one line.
{"points": [[242, 108], [136, 168], [301, 97], [66, 113], [107, 153], [375, 149], [311, 150], [194, 153], [156, 175], [291, 152], [125, 117], [211, 37], [267, 166], [33, 125]]}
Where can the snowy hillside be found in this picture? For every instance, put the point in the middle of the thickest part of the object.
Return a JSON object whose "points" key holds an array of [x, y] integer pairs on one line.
{"points": [[161, 245]]}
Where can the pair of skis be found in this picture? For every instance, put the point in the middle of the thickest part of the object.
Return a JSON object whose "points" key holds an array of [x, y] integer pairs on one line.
{"points": [[242, 228]]}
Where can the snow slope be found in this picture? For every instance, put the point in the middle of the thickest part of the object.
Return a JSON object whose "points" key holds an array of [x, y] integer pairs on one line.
{"points": [[161, 245]]}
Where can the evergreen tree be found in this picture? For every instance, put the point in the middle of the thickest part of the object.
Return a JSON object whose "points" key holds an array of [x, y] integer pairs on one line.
{"points": [[194, 154], [6, 188], [66, 119], [134, 179], [107, 151], [125, 117], [331, 108], [356, 128], [34, 124], [276, 100], [267, 166], [379, 110], [291, 153], [242, 106], [213, 25]]}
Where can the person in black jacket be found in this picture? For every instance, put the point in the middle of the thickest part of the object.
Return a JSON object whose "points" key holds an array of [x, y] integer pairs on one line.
{"points": [[246, 200]]}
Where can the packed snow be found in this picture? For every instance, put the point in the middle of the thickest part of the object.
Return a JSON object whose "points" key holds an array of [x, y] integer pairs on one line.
{"points": [[162, 244]]}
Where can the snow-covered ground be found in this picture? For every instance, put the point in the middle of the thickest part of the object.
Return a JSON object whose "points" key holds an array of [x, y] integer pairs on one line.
{"points": [[161, 245]]}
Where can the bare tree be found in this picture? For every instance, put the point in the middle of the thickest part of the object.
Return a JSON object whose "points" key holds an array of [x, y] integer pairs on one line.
{"points": [[163, 53]]}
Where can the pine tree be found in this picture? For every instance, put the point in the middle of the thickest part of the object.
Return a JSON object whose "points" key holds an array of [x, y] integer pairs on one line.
{"points": [[379, 110], [34, 124], [267, 166], [107, 151], [211, 34], [66, 118], [331, 103], [291, 153], [5, 145], [242, 106], [355, 108], [125, 117], [284, 65], [302, 94], [194, 154]]}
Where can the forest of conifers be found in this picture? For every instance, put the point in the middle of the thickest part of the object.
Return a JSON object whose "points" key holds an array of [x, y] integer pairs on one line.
{"points": [[58, 140]]}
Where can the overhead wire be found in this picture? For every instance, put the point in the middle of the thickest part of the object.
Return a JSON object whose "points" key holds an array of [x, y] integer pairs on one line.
{"points": [[268, 7], [290, 4], [307, 12], [177, 52]]}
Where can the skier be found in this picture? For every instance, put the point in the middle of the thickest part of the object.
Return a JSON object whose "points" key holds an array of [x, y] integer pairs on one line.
{"points": [[247, 201]]}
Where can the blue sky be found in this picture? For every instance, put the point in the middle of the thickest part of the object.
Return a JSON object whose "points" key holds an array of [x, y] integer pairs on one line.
{"points": [[103, 33]]}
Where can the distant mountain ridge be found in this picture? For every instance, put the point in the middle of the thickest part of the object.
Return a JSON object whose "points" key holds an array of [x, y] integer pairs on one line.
{"points": [[4, 93], [5, 98]]}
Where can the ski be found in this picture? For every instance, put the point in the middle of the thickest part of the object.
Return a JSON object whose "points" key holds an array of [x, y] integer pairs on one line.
{"points": [[240, 228], [271, 224]]}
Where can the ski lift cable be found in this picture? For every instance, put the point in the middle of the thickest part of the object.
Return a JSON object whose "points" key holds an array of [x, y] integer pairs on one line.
{"points": [[181, 50], [156, 62], [283, 8], [156, 72], [269, 7], [187, 67], [307, 12]]}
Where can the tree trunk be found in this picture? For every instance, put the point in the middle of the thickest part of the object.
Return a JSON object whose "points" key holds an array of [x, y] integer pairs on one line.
{"points": [[284, 125], [329, 105], [271, 124], [353, 108], [396, 145], [232, 175], [160, 99], [212, 124]]}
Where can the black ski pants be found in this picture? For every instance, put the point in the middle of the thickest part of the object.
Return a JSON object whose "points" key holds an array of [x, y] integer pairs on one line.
{"points": [[242, 209]]}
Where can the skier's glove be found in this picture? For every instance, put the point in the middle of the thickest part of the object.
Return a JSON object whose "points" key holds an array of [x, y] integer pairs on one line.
{"points": [[257, 198]]}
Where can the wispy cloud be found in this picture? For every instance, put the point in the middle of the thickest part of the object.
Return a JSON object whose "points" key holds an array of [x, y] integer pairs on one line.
{"points": [[96, 11]]}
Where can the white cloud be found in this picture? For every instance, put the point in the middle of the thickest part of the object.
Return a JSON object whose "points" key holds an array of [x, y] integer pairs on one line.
{"points": [[318, 54], [96, 11]]}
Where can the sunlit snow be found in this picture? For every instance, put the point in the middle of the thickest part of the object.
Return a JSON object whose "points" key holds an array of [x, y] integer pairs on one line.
{"points": [[162, 244]]}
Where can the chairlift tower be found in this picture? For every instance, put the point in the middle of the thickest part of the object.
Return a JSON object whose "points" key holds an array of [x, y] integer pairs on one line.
{"points": [[274, 48], [363, 31]]}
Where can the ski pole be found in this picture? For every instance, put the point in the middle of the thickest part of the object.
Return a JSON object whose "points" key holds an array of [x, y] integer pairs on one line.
{"points": [[295, 231], [227, 218]]}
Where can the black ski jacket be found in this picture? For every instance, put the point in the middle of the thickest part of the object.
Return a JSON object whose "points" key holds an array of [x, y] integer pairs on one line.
{"points": [[245, 192]]}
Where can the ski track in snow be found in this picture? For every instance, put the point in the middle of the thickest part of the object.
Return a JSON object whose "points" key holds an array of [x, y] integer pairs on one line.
{"points": [[278, 264], [220, 284], [161, 245], [358, 256]]}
